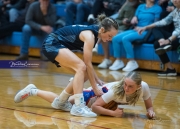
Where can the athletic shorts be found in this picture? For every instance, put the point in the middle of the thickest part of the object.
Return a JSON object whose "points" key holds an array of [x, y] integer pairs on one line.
{"points": [[51, 48], [89, 94]]}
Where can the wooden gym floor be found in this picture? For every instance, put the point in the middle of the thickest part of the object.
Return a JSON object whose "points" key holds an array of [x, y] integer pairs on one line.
{"points": [[35, 113]]}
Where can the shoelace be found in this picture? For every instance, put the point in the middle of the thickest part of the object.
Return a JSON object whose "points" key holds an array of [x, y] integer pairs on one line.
{"points": [[67, 105], [88, 109], [84, 105]]}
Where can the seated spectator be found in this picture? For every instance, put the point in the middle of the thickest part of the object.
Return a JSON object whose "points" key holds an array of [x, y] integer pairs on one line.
{"points": [[7, 29], [124, 17], [167, 7], [108, 7], [40, 20], [17, 10], [77, 11], [4, 5], [7, 4], [3, 18], [145, 15], [164, 40]]}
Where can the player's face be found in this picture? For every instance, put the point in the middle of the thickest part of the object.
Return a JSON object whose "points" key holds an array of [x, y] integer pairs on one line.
{"points": [[130, 86], [108, 35]]}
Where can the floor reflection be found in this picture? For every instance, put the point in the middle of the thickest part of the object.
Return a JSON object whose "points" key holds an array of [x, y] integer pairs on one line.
{"points": [[71, 122]]}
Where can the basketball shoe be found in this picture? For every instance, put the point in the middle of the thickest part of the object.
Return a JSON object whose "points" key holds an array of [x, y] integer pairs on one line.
{"points": [[24, 93], [82, 110], [66, 106]]}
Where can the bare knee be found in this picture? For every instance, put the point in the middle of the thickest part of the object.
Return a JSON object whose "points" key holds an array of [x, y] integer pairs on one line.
{"points": [[81, 68]]}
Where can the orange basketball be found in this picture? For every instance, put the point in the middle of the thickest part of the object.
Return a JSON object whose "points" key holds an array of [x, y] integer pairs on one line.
{"points": [[111, 105]]}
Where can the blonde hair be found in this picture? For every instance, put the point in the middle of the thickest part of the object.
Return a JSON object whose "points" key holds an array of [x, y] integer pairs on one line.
{"points": [[106, 22], [119, 88]]}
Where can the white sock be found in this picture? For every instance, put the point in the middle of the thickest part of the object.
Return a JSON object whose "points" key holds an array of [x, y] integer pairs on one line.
{"points": [[63, 97], [34, 92], [78, 98]]}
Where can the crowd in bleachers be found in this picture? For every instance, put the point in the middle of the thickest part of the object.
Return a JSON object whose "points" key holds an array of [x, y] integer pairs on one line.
{"points": [[38, 18]]}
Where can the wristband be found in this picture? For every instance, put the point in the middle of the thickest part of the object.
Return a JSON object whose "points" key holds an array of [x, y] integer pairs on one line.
{"points": [[170, 41]]}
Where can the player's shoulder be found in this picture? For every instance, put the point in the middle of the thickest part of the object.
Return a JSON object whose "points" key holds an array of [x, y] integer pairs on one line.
{"points": [[144, 85]]}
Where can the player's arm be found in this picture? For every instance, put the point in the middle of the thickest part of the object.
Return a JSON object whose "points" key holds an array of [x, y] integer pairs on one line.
{"points": [[149, 108], [98, 108], [88, 38]]}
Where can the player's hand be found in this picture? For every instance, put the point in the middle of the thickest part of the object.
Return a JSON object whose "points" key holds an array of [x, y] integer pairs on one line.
{"points": [[98, 92], [100, 82], [150, 114], [118, 112]]}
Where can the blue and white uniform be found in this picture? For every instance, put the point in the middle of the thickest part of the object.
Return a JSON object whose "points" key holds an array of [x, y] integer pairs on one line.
{"points": [[66, 37]]}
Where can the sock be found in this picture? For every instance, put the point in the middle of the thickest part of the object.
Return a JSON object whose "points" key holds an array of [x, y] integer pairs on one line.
{"points": [[63, 97], [78, 98], [34, 92]]}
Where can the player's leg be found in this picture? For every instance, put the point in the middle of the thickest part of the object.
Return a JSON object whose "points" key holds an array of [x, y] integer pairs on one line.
{"points": [[69, 60], [31, 90]]}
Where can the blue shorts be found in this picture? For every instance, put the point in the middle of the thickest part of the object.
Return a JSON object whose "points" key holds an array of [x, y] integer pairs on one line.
{"points": [[51, 48], [88, 94]]}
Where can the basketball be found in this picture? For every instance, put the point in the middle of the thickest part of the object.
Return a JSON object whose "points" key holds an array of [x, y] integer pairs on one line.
{"points": [[111, 105]]}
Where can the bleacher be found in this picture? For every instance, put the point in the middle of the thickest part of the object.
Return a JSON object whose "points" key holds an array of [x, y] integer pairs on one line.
{"points": [[144, 54], [11, 44]]}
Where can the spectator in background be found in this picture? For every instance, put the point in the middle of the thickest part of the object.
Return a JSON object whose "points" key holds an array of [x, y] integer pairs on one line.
{"points": [[40, 20], [9, 27], [108, 7], [164, 40], [145, 15], [167, 7], [77, 11], [5, 5], [17, 10], [125, 15], [3, 18]]}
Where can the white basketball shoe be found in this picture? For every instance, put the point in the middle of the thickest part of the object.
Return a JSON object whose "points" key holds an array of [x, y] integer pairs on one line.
{"points": [[24, 93], [82, 110]]}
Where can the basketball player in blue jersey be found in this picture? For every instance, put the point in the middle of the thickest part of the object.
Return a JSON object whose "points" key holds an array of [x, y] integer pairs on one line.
{"points": [[59, 47]]}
